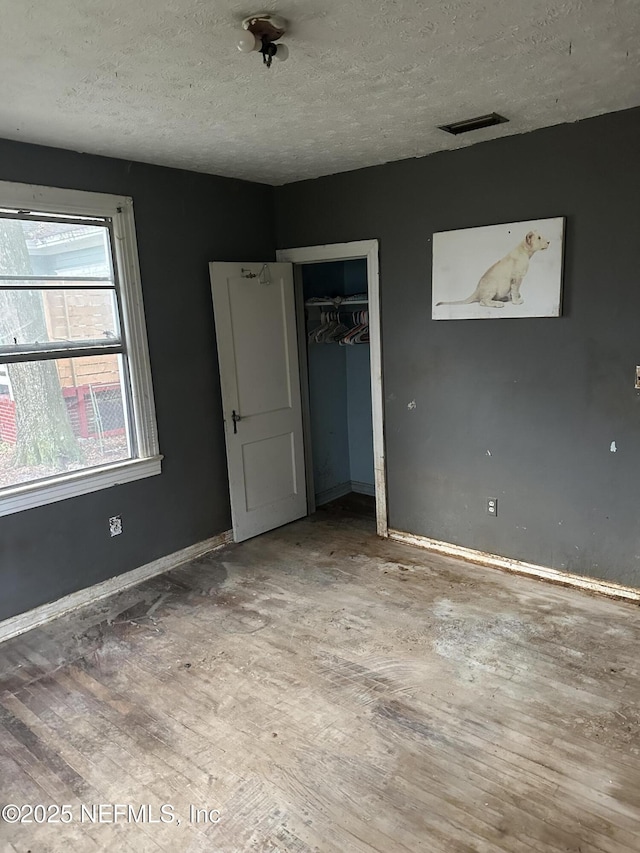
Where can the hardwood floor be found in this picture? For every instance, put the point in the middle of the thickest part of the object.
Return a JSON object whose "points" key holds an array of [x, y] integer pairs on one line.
{"points": [[328, 691]]}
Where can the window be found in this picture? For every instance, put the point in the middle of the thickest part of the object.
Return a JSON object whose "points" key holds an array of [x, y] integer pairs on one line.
{"points": [[76, 402]]}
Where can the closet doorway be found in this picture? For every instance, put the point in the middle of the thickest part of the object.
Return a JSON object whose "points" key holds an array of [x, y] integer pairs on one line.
{"points": [[338, 310]]}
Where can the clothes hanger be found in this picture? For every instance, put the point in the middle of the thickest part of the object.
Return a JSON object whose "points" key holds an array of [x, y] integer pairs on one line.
{"points": [[321, 333], [360, 331], [337, 331], [312, 334], [362, 336], [346, 339]]}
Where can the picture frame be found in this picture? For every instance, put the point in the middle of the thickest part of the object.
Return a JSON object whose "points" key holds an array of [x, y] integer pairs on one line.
{"points": [[505, 271]]}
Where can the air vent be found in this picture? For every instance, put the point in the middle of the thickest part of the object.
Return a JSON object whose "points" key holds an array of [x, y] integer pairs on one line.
{"points": [[473, 123]]}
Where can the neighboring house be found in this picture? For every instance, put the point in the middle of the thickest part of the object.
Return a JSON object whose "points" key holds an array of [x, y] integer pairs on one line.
{"points": [[83, 315]]}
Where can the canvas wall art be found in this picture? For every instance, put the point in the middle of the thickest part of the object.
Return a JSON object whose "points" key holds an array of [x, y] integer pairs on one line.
{"points": [[499, 271]]}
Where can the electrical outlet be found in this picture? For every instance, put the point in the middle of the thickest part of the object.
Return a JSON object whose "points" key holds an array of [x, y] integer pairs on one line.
{"points": [[115, 525], [492, 506]]}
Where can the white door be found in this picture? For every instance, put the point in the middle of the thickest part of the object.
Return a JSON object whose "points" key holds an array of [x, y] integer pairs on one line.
{"points": [[255, 320]]}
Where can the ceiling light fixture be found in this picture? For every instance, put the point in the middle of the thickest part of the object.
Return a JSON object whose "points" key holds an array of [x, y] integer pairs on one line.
{"points": [[261, 31]]}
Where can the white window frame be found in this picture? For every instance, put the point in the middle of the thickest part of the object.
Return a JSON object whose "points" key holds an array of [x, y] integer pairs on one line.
{"points": [[148, 461]]}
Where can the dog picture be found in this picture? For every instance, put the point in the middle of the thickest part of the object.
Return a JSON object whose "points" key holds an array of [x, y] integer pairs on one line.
{"points": [[517, 285], [502, 281]]}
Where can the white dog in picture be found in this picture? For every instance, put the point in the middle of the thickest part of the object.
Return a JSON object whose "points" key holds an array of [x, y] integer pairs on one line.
{"points": [[501, 282]]}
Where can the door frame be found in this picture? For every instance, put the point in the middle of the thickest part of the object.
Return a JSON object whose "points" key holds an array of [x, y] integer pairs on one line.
{"points": [[355, 250]]}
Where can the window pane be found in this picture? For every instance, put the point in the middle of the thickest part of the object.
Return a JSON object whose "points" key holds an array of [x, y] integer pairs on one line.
{"points": [[28, 247], [61, 416], [37, 316]]}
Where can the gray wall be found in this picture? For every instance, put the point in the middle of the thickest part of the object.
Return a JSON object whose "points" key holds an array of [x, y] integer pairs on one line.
{"points": [[546, 397], [184, 220]]}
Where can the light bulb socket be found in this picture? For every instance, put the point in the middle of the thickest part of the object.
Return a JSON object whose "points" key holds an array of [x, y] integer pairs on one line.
{"points": [[263, 24]]}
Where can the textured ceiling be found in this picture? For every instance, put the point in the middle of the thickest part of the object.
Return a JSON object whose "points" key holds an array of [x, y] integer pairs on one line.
{"points": [[367, 81]]}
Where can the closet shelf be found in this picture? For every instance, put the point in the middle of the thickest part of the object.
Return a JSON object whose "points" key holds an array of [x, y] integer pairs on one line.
{"points": [[354, 344], [313, 303]]}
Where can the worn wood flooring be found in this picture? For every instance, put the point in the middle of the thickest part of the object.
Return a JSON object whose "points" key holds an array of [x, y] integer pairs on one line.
{"points": [[327, 691]]}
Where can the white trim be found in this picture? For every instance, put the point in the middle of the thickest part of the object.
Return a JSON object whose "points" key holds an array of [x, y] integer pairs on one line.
{"points": [[305, 403], [147, 461], [608, 588], [59, 200], [343, 489], [17, 625], [328, 252], [363, 488], [84, 482], [332, 494], [344, 252], [126, 248]]}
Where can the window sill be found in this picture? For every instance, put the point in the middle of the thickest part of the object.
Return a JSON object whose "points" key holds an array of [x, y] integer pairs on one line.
{"points": [[80, 483]]}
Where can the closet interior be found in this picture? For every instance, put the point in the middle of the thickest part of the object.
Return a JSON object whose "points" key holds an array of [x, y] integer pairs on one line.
{"points": [[339, 375]]}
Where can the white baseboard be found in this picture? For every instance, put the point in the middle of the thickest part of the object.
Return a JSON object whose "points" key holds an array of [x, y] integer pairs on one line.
{"points": [[363, 488], [608, 588], [16, 625], [333, 493], [343, 489]]}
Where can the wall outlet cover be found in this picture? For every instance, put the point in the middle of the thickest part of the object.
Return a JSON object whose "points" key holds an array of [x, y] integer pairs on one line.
{"points": [[115, 525]]}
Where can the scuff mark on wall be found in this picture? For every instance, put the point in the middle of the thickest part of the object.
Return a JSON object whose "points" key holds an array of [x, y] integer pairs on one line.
{"points": [[411, 406], [613, 447]]}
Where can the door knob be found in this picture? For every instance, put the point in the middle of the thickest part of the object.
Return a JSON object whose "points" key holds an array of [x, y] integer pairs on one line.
{"points": [[235, 417]]}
